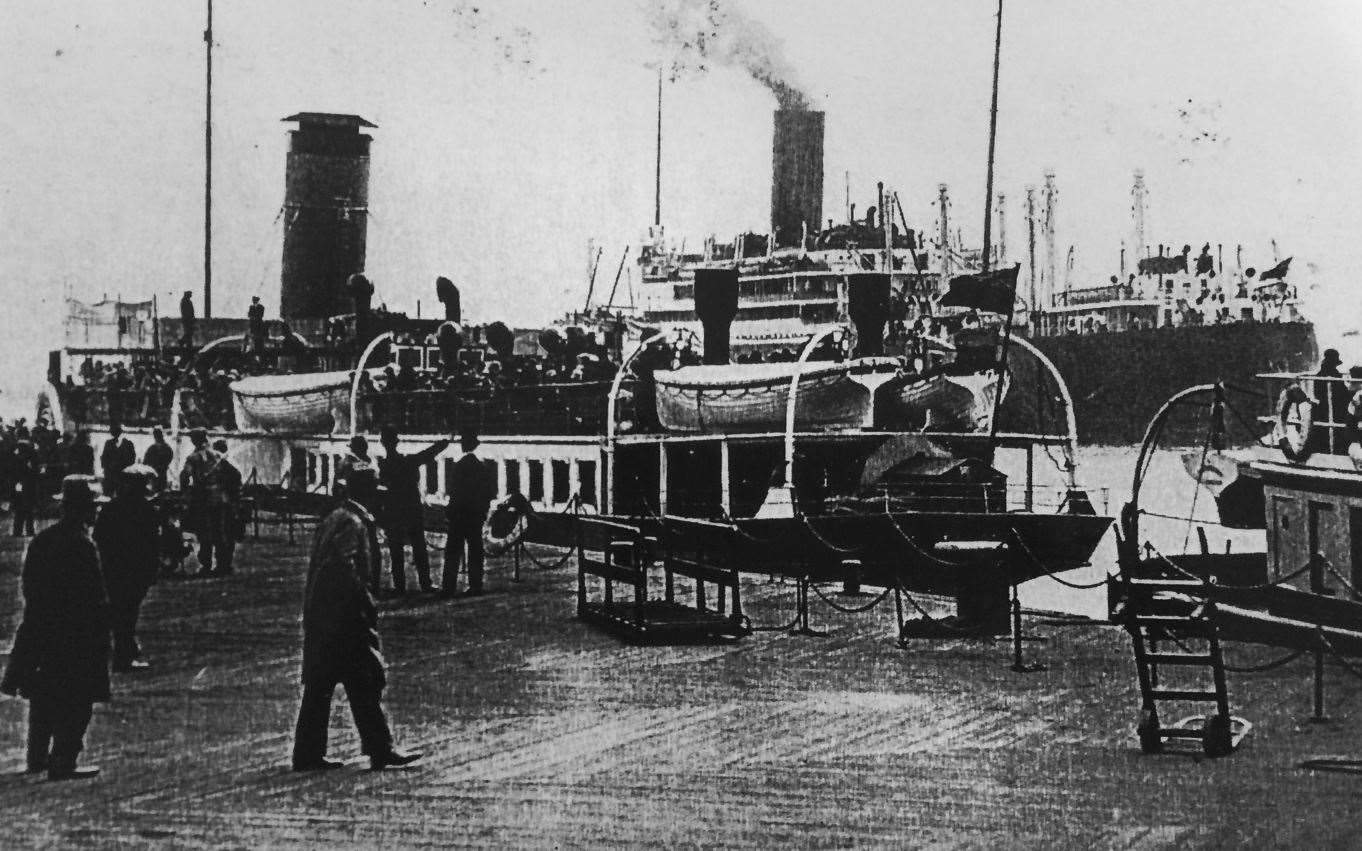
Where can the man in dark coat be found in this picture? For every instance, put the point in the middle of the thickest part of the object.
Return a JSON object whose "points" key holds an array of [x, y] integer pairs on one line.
{"points": [[340, 634], [60, 660], [158, 457], [210, 510], [82, 455], [255, 317], [118, 453], [471, 487], [403, 511], [127, 534], [27, 476], [187, 319]]}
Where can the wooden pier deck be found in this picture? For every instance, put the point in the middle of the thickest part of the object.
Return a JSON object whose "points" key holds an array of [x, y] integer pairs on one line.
{"points": [[540, 731]]}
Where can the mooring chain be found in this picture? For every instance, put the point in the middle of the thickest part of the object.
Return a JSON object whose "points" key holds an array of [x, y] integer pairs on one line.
{"points": [[1078, 586], [1265, 666], [850, 610]]}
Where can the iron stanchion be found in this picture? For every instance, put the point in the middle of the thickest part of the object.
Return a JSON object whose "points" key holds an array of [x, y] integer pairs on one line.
{"points": [[1018, 664]]}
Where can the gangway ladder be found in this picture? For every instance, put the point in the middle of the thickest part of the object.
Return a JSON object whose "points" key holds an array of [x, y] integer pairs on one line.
{"points": [[1150, 619]]}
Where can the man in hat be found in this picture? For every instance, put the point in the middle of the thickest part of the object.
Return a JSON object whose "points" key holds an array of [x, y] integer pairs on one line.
{"points": [[404, 511], [471, 487], [230, 483], [1331, 400], [187, 319], [255, 318], [118, 453], [357, 456], [340, 634], [26, 471], [208, 506], [60, 659], [158, 457], [127, 534]]}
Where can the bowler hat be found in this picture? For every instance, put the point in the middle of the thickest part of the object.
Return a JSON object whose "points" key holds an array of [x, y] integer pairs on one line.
{"points": [[79, 491], [468, 439]]}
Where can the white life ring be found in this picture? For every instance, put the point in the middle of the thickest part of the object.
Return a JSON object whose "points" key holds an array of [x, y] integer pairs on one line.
{"points": [[1293, 439], [512, 514]]}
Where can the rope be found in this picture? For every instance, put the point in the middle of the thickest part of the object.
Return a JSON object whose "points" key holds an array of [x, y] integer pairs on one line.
{"points": [[544, 566], [940, 624], [1077, 586], [1338, 657], [1339, 576], [917, 548], [824, 541], [1179, 517], [781, 628], [1266, 666], [850, 610]]}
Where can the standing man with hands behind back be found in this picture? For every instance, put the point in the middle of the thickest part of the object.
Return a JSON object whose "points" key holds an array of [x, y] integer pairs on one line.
{"points": [[471, 490]]}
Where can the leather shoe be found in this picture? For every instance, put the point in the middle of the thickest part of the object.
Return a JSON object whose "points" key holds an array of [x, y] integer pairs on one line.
{"points": [[319, 765], [73, 773], [392, 759]]}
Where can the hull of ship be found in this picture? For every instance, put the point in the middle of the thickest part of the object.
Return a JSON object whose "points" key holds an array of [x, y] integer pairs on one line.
{"points": [[1118, 380]]}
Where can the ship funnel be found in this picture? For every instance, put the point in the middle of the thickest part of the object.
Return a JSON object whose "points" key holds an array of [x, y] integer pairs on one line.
{"points": [[448, 294], [326, 213], [868, 308], [796, 175], [716, 303]]}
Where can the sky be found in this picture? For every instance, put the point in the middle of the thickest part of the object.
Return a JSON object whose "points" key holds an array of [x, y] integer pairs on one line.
{"points": [[509, 135]]}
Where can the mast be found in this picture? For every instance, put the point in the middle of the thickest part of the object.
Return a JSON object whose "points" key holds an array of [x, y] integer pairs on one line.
{"points": [[992, 140], [1002, 229], [944, 203], [1051, 198], [657, 179], [1031, 246], [208, 172], [1138, 207]]}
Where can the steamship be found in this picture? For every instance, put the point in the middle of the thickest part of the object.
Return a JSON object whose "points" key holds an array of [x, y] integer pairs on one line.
{"points": [[1121, 347], [911, 489]]}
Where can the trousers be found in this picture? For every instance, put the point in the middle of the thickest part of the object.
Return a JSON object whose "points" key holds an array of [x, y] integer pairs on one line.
{"points": [[56, 732], [399, 532], [461, 537], [314, 715], [126, 605]]}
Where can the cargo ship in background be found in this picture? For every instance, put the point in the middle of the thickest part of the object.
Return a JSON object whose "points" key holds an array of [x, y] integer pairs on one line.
{"points": [[1171, 320]]}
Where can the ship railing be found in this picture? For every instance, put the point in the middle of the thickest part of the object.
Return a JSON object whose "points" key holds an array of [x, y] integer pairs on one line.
{"points": [[97, 405], [1330, 426], [573, 409]]}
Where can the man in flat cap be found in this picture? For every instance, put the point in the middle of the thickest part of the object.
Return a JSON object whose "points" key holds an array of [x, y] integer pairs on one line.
{"points": [[127, 534], [340, 633], [60, 659]]}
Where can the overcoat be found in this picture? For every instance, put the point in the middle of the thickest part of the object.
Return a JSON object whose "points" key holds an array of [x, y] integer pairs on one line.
{"points": [[61, 650], [340, 620]]}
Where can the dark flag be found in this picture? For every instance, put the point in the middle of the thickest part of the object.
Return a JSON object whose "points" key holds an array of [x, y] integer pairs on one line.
{"points": [[1278, 272], [993, 291]]}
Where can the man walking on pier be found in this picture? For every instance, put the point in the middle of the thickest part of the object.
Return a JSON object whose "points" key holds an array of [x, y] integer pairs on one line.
{"points": [[471, 489], [403, 511], [127, 534], [60, 659], [340, 634]]}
